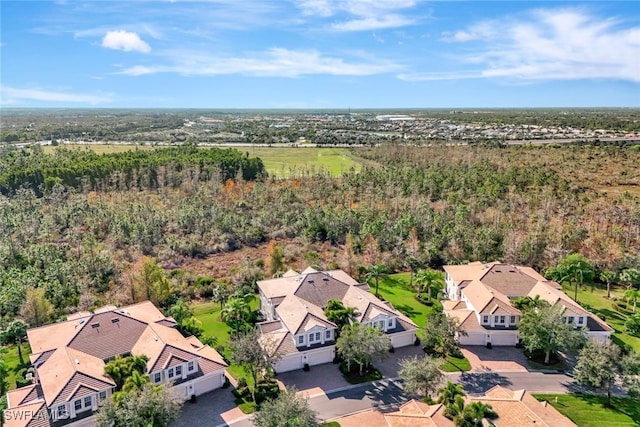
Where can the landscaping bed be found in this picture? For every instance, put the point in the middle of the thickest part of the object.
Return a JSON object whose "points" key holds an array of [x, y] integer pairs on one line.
{"points": [[353, 376]]}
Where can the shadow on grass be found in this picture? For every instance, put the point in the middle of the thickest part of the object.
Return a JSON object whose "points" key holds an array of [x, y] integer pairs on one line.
{"points": [[623, 405], [407, 310]]}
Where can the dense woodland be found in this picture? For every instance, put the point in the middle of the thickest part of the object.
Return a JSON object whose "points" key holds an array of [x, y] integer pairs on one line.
{"points": [[80, 238]]}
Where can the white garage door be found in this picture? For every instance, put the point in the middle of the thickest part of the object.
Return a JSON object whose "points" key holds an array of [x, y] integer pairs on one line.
{"points": [[473, 338], [402, 339], [207, 384], [504, 339], [290, 363], [320, 356]]}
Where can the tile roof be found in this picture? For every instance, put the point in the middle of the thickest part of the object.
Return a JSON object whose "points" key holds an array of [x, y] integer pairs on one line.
{"points": [[70, 356], [510, 280], [485, 299], [30, 415]]}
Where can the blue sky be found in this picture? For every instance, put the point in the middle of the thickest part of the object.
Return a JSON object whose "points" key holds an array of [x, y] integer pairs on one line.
{"points": [[319, 54]]}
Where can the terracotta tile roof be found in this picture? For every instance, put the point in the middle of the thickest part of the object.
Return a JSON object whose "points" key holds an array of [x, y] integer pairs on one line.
{"points": [[510, 280], [23, 394], [519, 408], [108, 334], [274, 325], [318, 288], [472, 271], [78, 385], [485, 299], [30, 415]]}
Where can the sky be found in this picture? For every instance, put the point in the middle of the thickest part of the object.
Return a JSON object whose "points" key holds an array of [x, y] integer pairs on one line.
{"points": [[319, 54]]}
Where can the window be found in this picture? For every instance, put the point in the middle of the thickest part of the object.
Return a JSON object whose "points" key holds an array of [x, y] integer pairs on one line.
{"points": [[87, 402], [503, 319], [62, 411], [496, 319], [301, 339], [580, 320], [103, 395], [178, 371], [513, 320], [327, 334], [77, 404], [390, 323], [317, 336], [191, 366], [570, 320], [485, 319], [170, 373], [157, 377], [312, 338]]}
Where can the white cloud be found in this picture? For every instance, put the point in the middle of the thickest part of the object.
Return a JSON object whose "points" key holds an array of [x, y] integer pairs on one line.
{"points": [[563, 44], [361, 15], [125, 40], [372, 23], [275, 62], [439, 75], [11, 95]]}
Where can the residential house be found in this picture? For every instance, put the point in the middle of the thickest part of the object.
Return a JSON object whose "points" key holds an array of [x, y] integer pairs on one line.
{"points": [[513, 408], [69, 359], [297, 326], [480, 297]]}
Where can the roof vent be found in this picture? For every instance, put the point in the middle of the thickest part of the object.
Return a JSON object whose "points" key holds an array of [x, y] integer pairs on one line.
{"points": [[81, 321], [486, 266], [512, 271], [325, 279], [155, 338], [497, 271], [95, 325], [77, 362], [310, 281], [115, 320]]}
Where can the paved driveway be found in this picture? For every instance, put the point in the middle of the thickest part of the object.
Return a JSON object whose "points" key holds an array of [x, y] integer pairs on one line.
{"points": [[211, 409], [497, 359]]}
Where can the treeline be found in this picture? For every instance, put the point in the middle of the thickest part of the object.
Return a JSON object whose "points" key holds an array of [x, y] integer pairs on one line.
{"points": [[407, 207], [32, 168]]}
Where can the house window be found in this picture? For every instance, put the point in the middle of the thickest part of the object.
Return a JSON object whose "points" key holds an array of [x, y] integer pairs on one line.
{"points": [[77, 404], [312, 338], [485, 320], [301, 339], [390, 323], [62, 411], [317, 336], [191, 366], [170, 373], [496, 319], [503, 319], [178, 371], [327, 334], [157, 377], [513, 320], [87, 402], [103, 395], [570, 320], [580, 320]]}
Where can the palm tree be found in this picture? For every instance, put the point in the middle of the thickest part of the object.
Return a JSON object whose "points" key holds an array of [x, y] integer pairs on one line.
{"points": [[633, 295], [608, 277], [449, 392], [577, 273], [430, 279], [377, 272], [474, 414], [136, 381], [235, 310]]}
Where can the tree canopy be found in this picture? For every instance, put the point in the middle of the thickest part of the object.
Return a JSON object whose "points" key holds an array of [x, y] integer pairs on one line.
{"points": [[287, 410], [362, 344], [575, 269], [543, 328], [440, 334], [421, 376]]}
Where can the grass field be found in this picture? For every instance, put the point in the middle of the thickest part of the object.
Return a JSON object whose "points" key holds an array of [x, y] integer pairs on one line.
{"points": [[9, 354], [396, 290], [280, 162], [591, 411], [594, 300], [209, 314]]}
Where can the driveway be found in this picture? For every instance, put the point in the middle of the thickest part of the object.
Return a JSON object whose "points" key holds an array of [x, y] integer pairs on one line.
{"points": [[212, 409], [497, 359]]}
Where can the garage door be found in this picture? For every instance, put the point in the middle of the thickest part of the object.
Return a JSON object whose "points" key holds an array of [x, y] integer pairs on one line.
{"points": [[290, 363], [473, 338], [402, 340], [207, 384], [321, 356], [504, 339]]}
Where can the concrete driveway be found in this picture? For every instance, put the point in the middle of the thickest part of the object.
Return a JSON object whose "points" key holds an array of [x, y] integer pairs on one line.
{"points": [[497, 359]]}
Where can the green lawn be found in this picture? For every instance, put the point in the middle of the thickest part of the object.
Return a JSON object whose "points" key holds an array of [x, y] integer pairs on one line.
{"points": [[287, 161], [209, 314], [396, 290], [455, 364], [590, 411], [594, 300], [10, 356]]}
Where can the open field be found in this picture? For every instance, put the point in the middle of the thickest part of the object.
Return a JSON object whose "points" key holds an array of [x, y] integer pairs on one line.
{"points": [[594, 300], [281, 162], [591, 411]]}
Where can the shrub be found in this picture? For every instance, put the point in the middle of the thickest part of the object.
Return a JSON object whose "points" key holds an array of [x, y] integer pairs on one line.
{"points": [[633, 325]]}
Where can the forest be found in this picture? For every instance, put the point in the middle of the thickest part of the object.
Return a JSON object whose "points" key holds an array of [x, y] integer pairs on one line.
{"points": [[82, 225]]}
